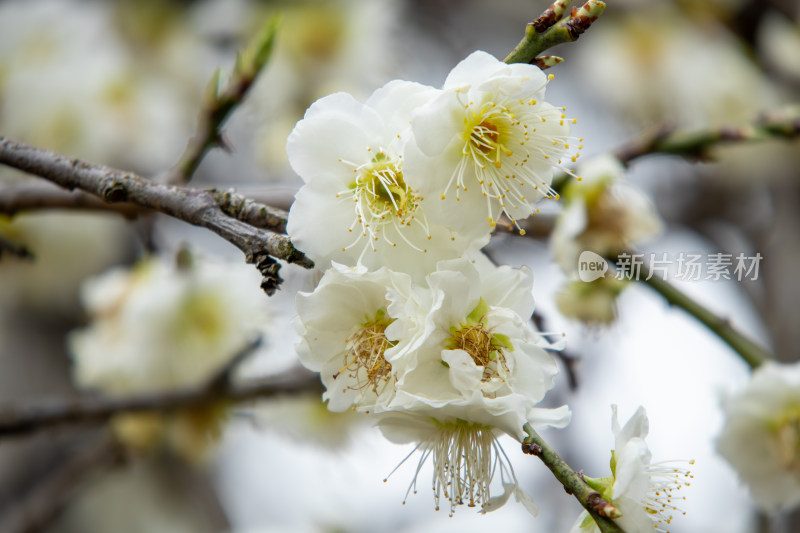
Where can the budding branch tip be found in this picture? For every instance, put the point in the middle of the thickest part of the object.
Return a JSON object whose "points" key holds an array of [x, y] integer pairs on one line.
{"points": [[531, 448]]}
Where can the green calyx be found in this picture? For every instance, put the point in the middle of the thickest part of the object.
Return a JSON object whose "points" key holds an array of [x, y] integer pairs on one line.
{"points": [[603, 485], [459, 424]]}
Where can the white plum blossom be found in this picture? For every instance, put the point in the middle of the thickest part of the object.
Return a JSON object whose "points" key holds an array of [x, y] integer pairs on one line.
{"points": [[602, 213], [107, 108], [158, 326], [761, 436], [594, 303], [488, 143], [478, 371], [357, 206], [348, 335], [643, 491]]}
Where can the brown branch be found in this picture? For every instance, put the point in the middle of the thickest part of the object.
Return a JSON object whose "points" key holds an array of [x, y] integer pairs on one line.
{"points": [[22, 420], [195, 206], [247, 210], [32, 195]]}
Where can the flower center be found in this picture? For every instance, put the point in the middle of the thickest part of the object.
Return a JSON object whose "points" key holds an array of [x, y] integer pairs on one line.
{"points": [[380, 185], [484, 137], [364, 359], [487, 349], [786, 439], [487, 130], [510, 148], [382, 200]]}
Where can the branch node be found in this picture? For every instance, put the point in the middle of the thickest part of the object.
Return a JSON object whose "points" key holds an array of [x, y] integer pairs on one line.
{"points": [[531, 448], [601, 506], [114, 192]]}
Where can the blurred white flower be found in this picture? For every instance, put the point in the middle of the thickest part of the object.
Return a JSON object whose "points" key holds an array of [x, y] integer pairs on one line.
{"points": [[66, 247], [478, 370], [644, 492], [601, 213], [106, 109], [676, 70], [159, 326], [593, 303], [306, 419], [761, 436], [488, 143], [356, 206], [348, 335]]}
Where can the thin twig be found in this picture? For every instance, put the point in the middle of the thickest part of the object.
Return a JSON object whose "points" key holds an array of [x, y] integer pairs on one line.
{"points": [[753, 354], [601, 510], [22, 420], [780, 124], [195, 206], [26, 419], [553, 28], [34, 511], [698, 144], [32, 195], [220, 103]]}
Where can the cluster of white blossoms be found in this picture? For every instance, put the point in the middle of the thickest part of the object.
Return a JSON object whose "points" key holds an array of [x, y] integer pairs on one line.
{"points": [[410, 322], [416, 174], [644, 492], [761, 436]]}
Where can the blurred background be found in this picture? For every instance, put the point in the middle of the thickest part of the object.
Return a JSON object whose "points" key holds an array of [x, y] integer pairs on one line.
{"points": [[120, 83]]}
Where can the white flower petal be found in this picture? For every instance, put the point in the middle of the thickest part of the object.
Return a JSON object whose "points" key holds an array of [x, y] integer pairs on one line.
{"points": [[636, 427], [474, 68], [437, 123], [463, 373]]}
